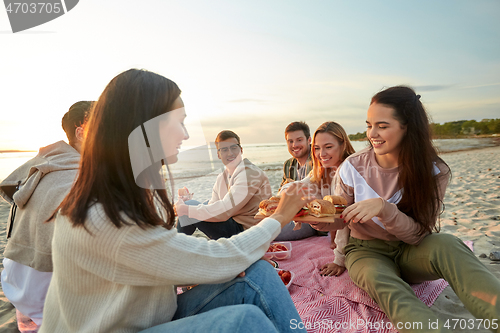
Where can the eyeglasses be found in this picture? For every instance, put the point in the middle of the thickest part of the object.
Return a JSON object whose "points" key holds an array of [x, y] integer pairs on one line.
{"points": [[234, 149]]}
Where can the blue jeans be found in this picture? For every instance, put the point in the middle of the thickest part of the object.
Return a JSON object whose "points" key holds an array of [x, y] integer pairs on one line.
{"points": [[214, 230], [258, 302]]}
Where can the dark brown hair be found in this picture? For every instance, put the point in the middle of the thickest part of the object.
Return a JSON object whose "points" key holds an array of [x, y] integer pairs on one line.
{"points": [[75, 117], [226, 134], [298, 126], [106, 177], [417, 156]]}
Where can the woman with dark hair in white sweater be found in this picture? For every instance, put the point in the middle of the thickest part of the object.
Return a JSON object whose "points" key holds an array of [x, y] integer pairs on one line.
{"points": [[118, 258]]}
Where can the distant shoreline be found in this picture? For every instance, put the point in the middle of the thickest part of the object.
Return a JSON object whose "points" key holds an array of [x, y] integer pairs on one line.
{"points": [[17, 151], [451, 137], [463, 136], [467, 149], [495, 142]]}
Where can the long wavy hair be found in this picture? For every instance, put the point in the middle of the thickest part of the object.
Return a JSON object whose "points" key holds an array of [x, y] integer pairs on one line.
{"points": [[420, 199], [105, 176], [320, 175]]}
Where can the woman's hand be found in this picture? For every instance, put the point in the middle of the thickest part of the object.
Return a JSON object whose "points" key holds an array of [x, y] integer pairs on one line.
{"points": [[331, 269], [181, 208], [363, 211], [293, 198]]}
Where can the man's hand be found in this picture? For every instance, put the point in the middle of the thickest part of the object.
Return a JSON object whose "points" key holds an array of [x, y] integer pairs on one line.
{"points": [[181, 208]]}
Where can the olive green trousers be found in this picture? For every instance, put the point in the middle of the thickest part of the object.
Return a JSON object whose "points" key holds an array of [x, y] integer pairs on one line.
{"points": [[384, 270]]}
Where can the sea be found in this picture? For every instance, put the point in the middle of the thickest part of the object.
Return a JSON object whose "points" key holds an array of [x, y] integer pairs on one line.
{"points": [[200, 164]]}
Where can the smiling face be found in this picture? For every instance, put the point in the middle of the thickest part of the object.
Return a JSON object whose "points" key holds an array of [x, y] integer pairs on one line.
{"points": [[298, 145], [385, 134], [173, 132], [229, 151], [327, 150]]}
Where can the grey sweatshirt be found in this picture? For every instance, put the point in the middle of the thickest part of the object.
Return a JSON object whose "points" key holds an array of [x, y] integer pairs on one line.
{"points": [[43, 181]]}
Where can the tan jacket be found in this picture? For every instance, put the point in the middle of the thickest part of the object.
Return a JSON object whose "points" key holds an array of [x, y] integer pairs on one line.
{"points": [[237, 196], [44, 181]]}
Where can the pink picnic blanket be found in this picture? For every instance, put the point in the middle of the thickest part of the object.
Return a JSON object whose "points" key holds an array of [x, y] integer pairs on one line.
{"points": [[336, 304], [25, 324]]}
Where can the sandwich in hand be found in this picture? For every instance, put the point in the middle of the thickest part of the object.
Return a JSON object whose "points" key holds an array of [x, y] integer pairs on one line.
{"points": [[317, 208], [339, 202], [268, 206], [184, 194]]}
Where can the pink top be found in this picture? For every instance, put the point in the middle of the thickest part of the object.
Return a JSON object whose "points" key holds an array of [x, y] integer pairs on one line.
{"points": [[360, 177]]}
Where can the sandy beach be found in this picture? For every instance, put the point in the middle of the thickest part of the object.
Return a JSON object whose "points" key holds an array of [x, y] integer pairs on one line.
{"points": [[472, 213]]}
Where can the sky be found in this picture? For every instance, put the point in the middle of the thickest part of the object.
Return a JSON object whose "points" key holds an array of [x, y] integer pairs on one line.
{"points": [[254, 66]]}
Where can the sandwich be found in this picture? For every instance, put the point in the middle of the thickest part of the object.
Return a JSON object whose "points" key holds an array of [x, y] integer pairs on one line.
{"points": [[321, 208], [183, 192], [339, 202], [268, 207]]}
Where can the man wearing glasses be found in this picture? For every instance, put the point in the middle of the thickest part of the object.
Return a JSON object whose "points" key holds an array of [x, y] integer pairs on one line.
{"points": [[236, 195]]}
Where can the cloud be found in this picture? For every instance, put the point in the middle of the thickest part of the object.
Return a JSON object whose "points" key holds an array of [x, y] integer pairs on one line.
{"points": [[482, 85], [436, 87], [338, 107], [251, 100], [251, 128]]}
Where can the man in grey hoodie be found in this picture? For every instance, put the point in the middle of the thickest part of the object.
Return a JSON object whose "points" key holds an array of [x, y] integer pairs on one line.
{"points": [[35, 190]]}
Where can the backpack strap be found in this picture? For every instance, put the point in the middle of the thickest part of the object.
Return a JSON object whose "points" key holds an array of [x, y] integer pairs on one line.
{"points": [[12, 214]]}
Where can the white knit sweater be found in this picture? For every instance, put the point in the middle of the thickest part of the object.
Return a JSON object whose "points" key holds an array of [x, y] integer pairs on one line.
{"points": [[123, 279]]}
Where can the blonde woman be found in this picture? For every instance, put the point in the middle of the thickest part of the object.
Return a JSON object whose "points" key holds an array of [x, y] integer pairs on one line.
{"points": [[330, 147]]}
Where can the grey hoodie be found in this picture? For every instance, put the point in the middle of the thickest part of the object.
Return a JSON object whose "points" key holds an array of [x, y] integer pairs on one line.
{"points": [[43, 182]]}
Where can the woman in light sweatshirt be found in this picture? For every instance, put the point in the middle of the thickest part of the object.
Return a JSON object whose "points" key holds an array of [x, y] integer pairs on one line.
{"points": [[34, 190], [118, 258]]}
